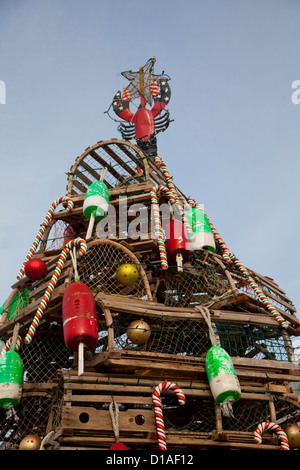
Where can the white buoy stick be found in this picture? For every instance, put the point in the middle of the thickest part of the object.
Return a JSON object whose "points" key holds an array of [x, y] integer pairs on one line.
{"points": [[179, 262], [80, 359], [90, 227]]}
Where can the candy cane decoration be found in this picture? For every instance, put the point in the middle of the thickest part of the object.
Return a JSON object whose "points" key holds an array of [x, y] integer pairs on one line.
{"points": [[157, 220], [9, 343], [269, 426], [53, 281], [171, 186], [228, 256], [160, 427], [45, 224]]}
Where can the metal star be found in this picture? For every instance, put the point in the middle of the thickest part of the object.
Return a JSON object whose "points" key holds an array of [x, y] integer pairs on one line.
{"points": [[140, 81]]}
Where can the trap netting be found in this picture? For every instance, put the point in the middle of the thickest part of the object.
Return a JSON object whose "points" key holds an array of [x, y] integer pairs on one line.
{"points": [[190, 338], [199, 416], [200, 281], [61, 233], [10, 309], [32, 418], [123, 161], [45, 355], [98, 270]]}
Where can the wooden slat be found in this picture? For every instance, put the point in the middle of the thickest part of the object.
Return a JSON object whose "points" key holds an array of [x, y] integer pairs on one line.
{"points": [[174, 441], [80, 175], [79, 186], [117, 159], [105, 164], [279, 300], [143, 307], [92, 172], [127, 152]]}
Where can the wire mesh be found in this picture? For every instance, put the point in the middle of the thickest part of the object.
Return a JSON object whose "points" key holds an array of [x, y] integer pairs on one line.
{"points": [[190, 338], [253, 341], [32, 418], [20, 300], [197, 284], [197, 415], [286, 411], [45, 355], [247, 415], [123, 163], [98, 270]]}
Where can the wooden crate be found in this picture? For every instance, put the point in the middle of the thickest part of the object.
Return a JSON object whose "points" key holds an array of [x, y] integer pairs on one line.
{"points": [[85, 419]]}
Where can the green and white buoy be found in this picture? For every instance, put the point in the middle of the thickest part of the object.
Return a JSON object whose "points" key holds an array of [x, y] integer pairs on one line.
{"points": [[222, 378], [95, 205], [201, 235], [11, 380]]}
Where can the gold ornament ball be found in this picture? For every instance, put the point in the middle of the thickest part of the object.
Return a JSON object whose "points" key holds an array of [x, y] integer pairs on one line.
{"points": [[30, 442], [138, 332], [127, 274], [292, 431]]}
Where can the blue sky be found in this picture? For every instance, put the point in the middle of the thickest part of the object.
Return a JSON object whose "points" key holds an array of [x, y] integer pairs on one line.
{"points": [[234, 143]]}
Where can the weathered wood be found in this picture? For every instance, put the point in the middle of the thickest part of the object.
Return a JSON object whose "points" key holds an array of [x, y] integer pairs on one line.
{"points": [[174, 442], [142, 307], [170, 365], [128, 376], [117, 159]]}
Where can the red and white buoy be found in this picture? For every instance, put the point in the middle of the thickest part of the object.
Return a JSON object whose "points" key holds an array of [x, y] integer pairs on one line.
{"points": [[79, 320], [177, 242]]}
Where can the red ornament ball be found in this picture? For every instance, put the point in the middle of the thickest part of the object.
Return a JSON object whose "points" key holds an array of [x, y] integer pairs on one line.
{"points": [[118, 446], [35, 269]]}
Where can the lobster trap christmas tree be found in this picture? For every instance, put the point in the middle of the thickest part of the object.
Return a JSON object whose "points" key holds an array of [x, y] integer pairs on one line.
{"points": [[131, 324]]}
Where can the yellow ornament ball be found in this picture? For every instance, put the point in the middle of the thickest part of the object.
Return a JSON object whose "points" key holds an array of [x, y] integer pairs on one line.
{"points": [[30, 442], [127, 274], [292, 431], [138, 332]]}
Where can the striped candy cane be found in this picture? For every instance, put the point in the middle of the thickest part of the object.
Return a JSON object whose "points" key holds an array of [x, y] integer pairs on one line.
{"points": [[45, 224], [53, 281], [228, 256], [159, 162], [160, 427], [8, 345], [157, 220], [269, 426]]}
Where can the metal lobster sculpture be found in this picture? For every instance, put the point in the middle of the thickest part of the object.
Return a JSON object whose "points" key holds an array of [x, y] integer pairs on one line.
{"points": [[145, 123]]}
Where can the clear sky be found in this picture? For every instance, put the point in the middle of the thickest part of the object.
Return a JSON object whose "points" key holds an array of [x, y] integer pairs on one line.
{"points": [[234, 143]]}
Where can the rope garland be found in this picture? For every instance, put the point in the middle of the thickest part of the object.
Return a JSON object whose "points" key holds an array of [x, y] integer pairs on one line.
{"points": [[228, 256], [157, 221], [53, 281], [44, 302], [45, 224], [172, 189]]}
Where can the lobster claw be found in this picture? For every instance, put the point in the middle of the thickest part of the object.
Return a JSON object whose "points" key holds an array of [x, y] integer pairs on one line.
{"points": [[164, 94], [161, 96], [118, 105], [121, 105]]}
